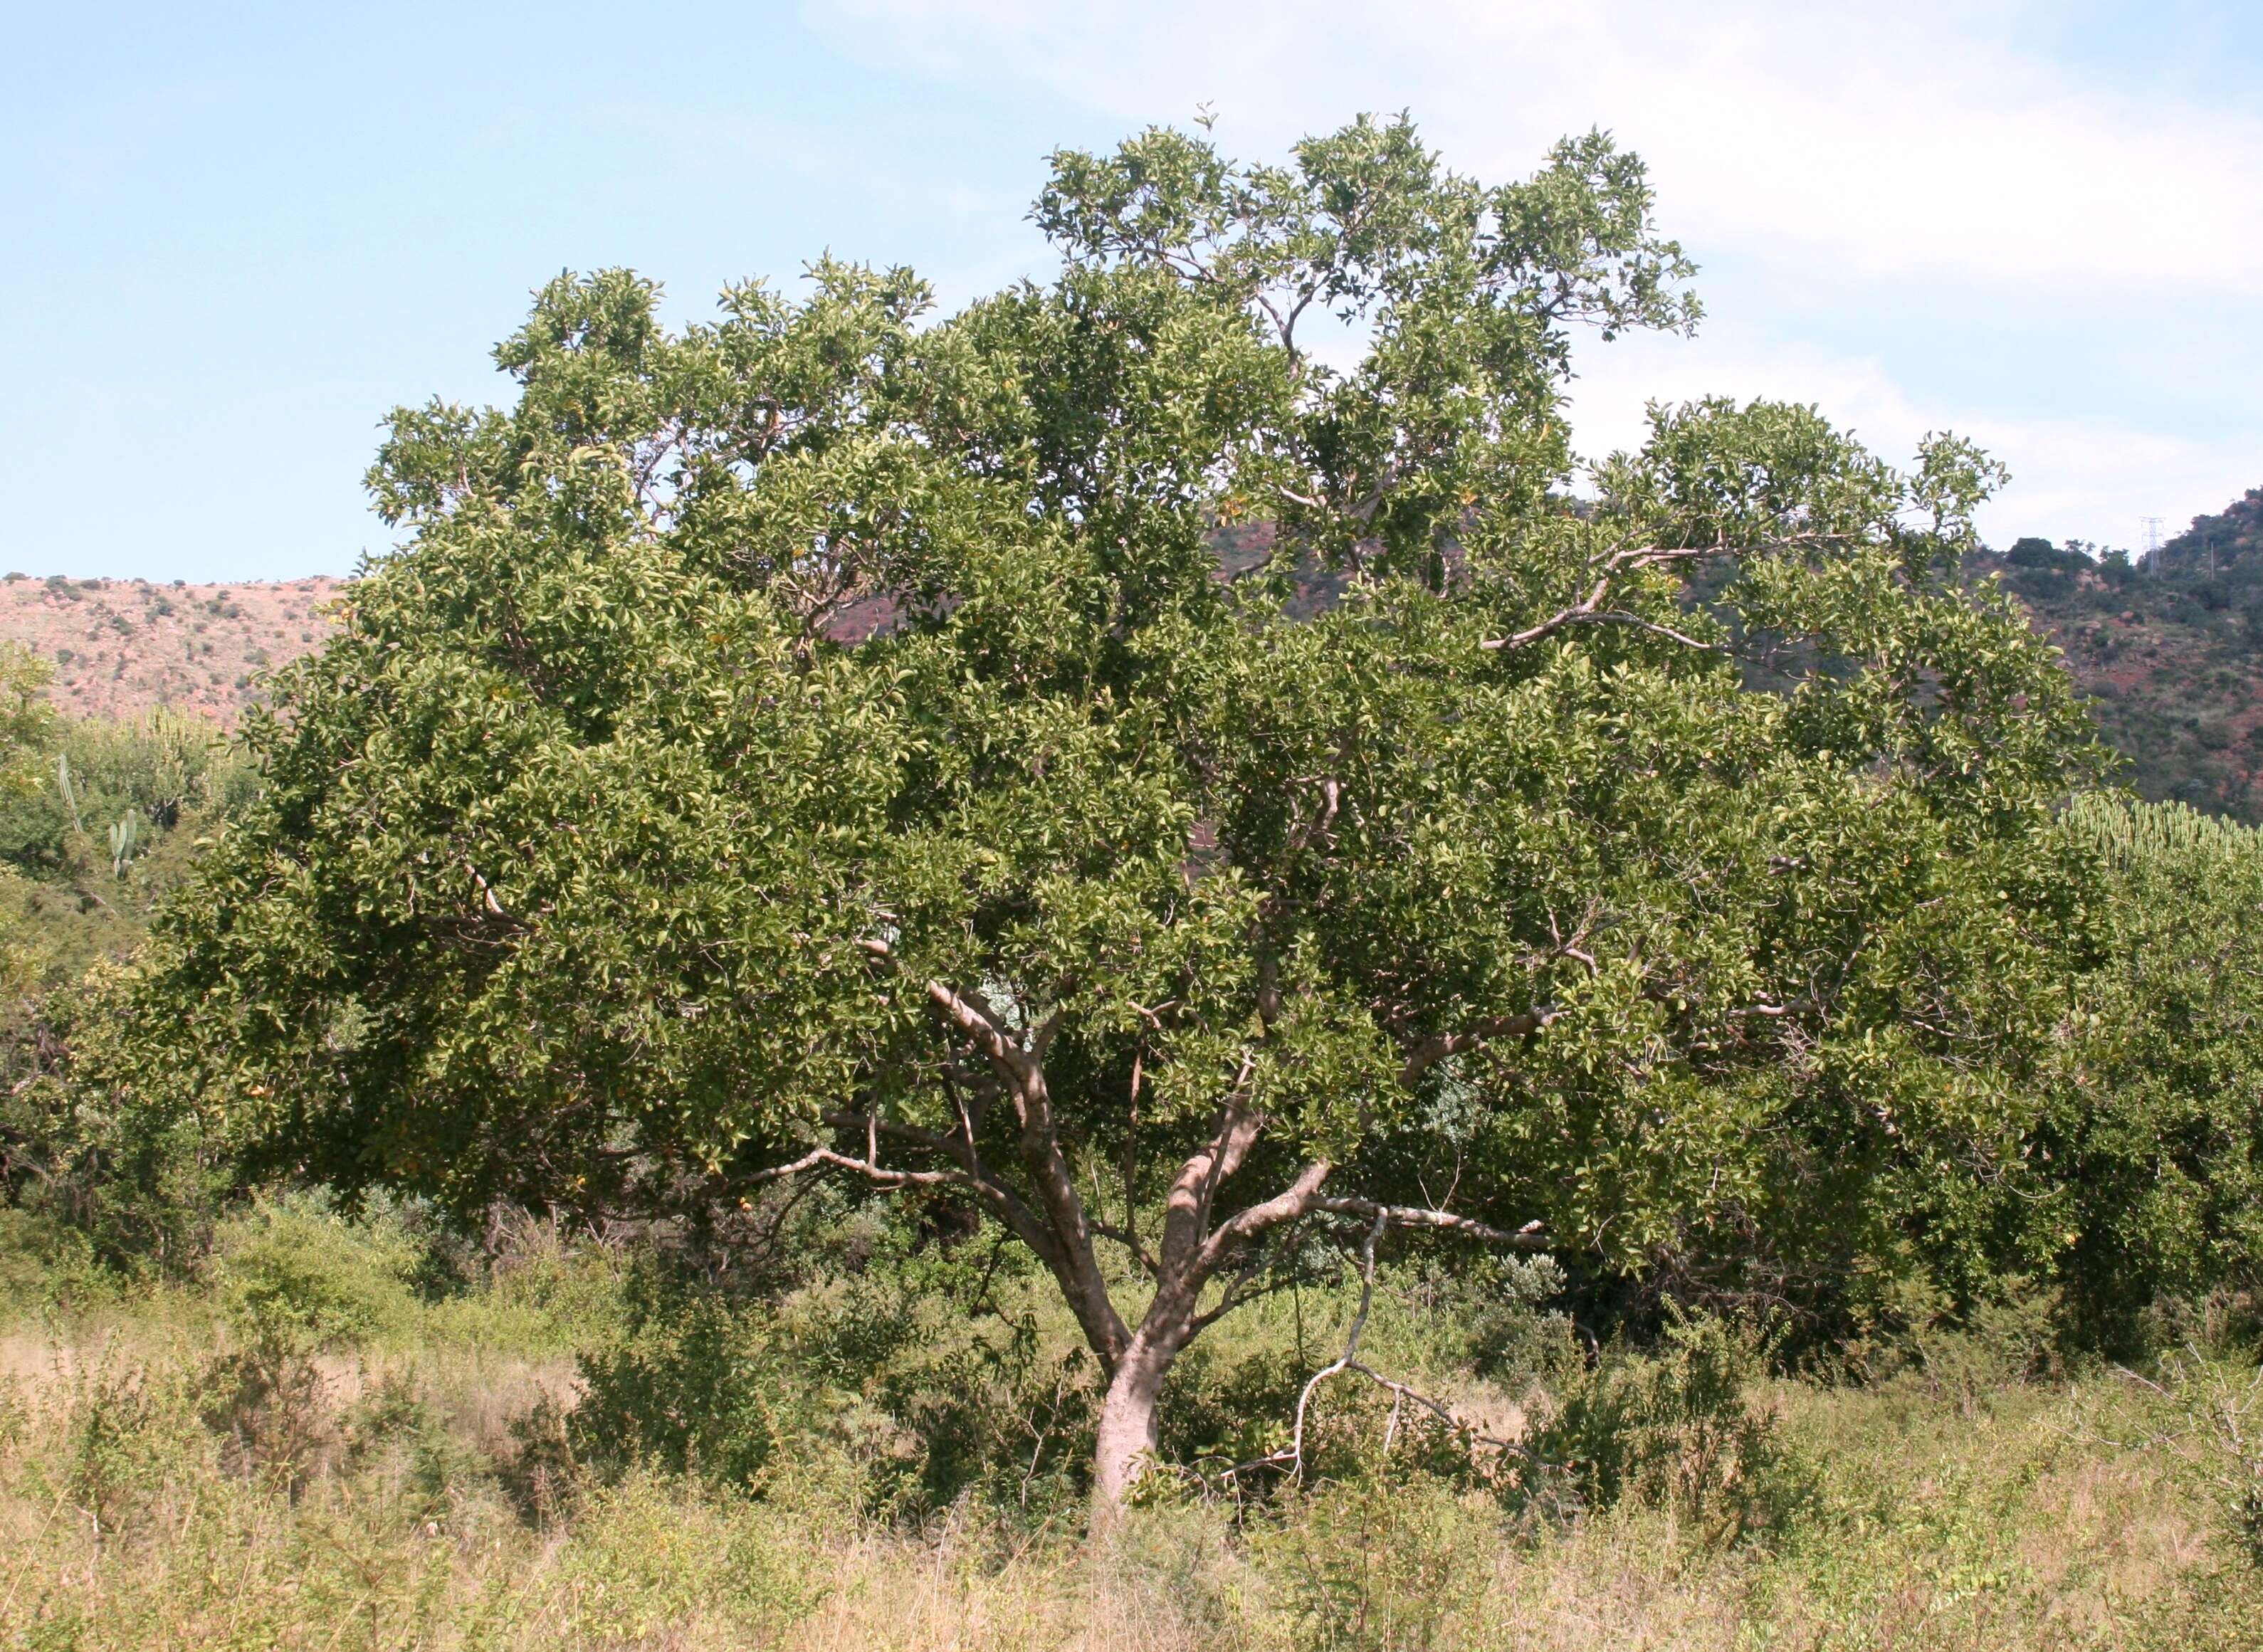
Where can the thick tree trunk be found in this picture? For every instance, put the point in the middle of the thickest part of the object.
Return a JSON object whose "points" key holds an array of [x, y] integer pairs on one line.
{"points": [[1127, 1420]]}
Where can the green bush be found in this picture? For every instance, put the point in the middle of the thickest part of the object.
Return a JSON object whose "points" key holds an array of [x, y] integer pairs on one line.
{"points": [[129, 1432], [2210, 1413], [2143, 1177], [296, 1275], [1674, 1429], [923, 1378], [295, 1283], [651, 1553], [1376, 1564], [94, 1144]]}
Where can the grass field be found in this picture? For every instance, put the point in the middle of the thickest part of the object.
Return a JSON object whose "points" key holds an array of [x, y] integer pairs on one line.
{"points": [[411, 1491]]}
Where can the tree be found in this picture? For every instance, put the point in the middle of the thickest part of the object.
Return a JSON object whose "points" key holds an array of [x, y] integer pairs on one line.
{"points": [[824, 741], [26, 728], [2155, 1130]]}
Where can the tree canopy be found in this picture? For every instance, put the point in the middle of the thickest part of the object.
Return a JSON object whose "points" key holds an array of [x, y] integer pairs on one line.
{"points": [[824, 741]]}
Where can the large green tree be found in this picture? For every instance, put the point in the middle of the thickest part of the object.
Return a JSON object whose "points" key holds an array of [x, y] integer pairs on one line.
{"points": [[824, 741]]}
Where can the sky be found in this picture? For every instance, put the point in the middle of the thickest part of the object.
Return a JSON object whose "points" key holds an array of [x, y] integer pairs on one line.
{"points": [[243, 232]]}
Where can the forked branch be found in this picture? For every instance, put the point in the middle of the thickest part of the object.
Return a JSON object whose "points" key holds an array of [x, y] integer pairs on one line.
{"points": [[1291, 1457], [1431, 1051]]}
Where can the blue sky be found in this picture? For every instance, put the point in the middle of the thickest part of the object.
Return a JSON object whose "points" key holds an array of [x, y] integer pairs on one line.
{"points": [[243, 232]]}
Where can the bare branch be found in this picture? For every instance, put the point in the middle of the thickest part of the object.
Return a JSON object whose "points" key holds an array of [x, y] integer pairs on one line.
{"points": [[1187, 1206], [1285, 1205], [1529, 1236], [1344, 1361], [487, 894], [1130, 1241], [1771, 1011], [1041, 1039], [1583, 616], [1068, 1232], [824, 1157], [988, 1037], [1291, 1457], [776, 1172], [1349, 1360]]}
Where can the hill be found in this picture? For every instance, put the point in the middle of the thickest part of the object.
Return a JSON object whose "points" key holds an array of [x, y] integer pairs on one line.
{"points": [[2169, 646], [122, 648]]}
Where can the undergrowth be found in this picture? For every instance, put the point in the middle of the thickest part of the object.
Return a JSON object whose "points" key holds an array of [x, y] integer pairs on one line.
{"points": [[329, 1440]]}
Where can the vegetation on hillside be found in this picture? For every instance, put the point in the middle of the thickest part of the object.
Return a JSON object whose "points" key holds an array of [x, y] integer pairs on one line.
{"points": [[122, 649], [2169, 649]]}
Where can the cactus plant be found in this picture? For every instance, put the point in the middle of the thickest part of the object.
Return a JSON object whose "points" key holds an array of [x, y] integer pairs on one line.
{"points": [[70, 798], [124, 837], [2128, 831]]}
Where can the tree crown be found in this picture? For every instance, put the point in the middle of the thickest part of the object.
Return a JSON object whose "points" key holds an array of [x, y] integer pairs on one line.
{"points": [[829, 738]]}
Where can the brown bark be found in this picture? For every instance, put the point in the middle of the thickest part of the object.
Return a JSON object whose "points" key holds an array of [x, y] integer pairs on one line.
{"points": [[1190, 1257]]}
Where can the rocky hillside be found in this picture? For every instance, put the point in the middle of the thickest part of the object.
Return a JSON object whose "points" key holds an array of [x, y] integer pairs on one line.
{"points": [[121, 647], [2171, 649]]}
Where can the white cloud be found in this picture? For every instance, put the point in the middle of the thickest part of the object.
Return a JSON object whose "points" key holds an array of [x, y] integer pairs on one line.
{"points": [[1838, 167], [2072, 477], [1911, 141]]}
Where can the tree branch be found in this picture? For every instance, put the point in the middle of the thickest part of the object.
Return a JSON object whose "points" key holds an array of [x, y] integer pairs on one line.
{"points": [[1432, 1051], [487, 894], [1130, 1241], [1529, 1236], [1583, 616], [988, 1037], [1187, 1206], [1285, 1205], [1291, 1457], [824, 1157]]}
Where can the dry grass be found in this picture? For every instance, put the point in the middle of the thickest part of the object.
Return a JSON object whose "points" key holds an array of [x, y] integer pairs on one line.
{"points": [[2044, 1520]]}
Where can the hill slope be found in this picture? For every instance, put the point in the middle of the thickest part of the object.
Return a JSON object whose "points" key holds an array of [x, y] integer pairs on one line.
{"points": [[121, 647], [2171, 650]]}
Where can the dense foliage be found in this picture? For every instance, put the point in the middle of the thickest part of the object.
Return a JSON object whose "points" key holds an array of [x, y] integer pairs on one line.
{"points": [[98, 822], [2155, 1138], [1170, 932]]}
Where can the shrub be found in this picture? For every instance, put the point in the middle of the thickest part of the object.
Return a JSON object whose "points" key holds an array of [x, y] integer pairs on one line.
{"points": [[296, 1274], [652, 1556], [1376, 1564], [92, 1147], [295, 1283], [920, 1379], [128, 1433], [2215, 1413], [1673, 1430], [2145, 1172], [2008, 1338]]}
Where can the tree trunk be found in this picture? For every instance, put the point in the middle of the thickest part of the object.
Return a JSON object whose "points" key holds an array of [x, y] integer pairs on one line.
{"points": [[1127, 1421]]}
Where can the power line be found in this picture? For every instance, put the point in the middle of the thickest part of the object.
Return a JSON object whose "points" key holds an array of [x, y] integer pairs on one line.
{"points": [[2153, 557]]}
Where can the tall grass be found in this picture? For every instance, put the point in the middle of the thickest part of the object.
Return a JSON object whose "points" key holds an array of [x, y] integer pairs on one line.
{"points": [[425, 1493]]}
